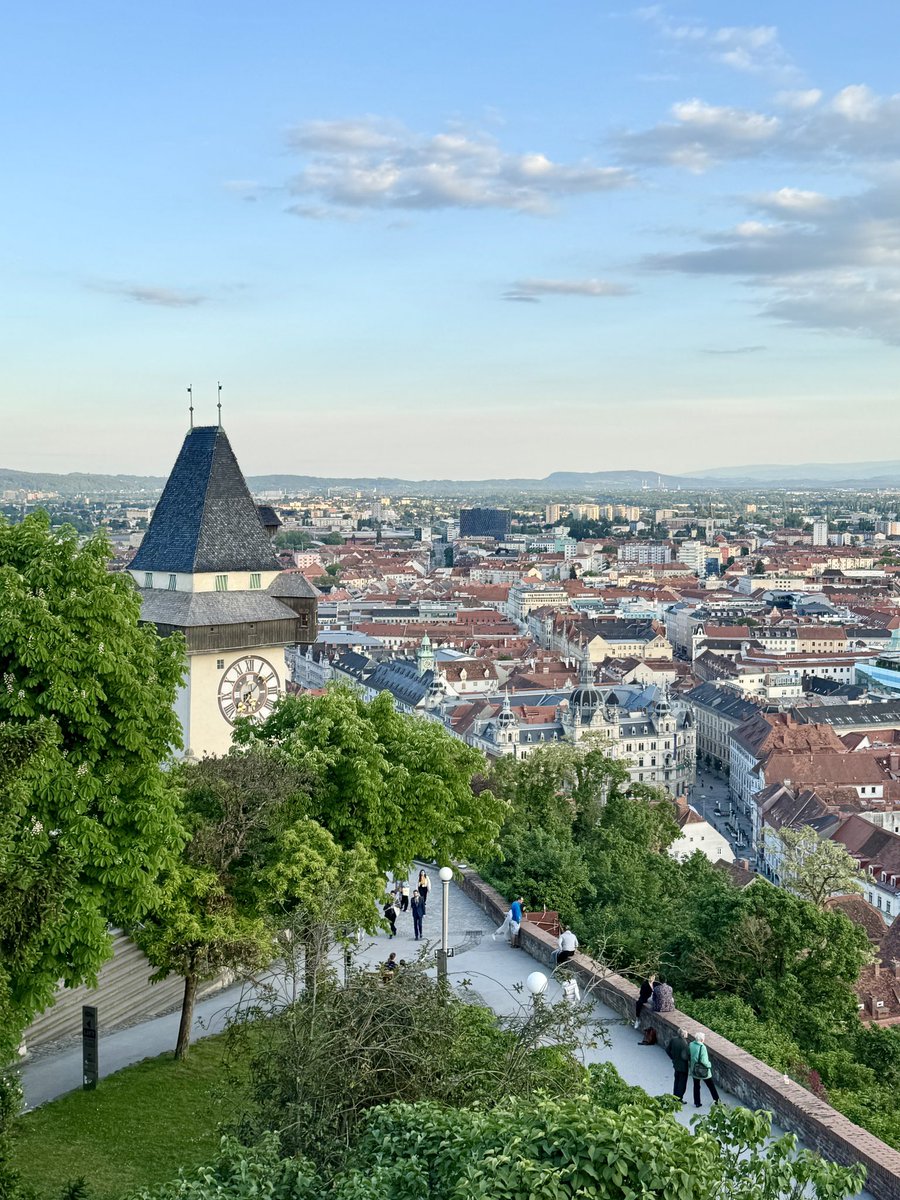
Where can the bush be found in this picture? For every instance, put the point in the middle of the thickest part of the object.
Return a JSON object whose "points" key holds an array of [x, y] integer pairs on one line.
{"points": [[734, 1019]]}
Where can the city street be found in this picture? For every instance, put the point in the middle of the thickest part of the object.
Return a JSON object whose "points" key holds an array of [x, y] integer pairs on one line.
{"points": [[711, 797]]}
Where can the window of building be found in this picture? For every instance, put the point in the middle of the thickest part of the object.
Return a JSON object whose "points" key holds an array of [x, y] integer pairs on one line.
{"points": [[148, 579], [221, 583], [173, 582], [255, 580], [220, 664]]}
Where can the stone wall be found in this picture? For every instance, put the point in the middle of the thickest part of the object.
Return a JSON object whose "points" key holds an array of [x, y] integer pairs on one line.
{"points": [[123, 996], [755, 1084]]}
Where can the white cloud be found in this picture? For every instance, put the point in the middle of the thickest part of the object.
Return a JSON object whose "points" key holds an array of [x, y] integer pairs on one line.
{"points": [[749, 48], [841, 303], [789, 202], [829, 264], [799, 100], [373, 164], [532, 289], [701, 135], [854, 126]]}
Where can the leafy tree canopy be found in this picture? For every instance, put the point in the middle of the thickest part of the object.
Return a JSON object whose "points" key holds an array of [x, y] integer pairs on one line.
{"points": [[816, 868], [400, 786], [90, 820]]}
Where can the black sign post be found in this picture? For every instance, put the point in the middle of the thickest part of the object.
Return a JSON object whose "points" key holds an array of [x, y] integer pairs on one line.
{"points": [[90, 1055]]}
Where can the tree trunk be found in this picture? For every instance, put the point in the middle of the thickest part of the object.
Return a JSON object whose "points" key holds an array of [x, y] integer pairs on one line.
{"points": [[187, 1017]]}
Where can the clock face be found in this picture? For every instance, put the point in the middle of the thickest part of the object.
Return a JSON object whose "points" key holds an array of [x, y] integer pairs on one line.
{"points": [[249, 688]]}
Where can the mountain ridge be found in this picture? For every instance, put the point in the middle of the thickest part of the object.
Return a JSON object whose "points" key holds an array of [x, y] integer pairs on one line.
{"points": [[823, 475]]}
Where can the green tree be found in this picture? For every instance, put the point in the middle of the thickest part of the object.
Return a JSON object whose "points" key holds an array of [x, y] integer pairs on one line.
{"points": [[90, 821], [293, 539], [816, 868], [792, 962], [399, 785], [255, 868]]}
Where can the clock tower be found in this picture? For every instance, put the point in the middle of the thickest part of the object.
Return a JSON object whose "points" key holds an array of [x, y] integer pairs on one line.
{"points": [[206, 567]]}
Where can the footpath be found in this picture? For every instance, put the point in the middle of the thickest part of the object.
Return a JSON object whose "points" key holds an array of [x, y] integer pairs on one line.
{"points": [[491, 971]]}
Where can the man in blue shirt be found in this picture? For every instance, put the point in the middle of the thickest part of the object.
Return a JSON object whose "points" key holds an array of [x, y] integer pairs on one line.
{"points": [[516, 913]]}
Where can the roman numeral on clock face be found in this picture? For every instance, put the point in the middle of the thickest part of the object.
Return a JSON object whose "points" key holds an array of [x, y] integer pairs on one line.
{"points": [[248, 688]]}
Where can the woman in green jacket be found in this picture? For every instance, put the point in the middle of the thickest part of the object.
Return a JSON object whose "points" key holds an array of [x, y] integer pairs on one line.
{"points": [[701, 1067]]}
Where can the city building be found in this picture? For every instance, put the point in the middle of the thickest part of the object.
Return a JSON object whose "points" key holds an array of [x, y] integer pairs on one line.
{"points": [[484, 522], [718, 711], [644, 552], [697, 834]]}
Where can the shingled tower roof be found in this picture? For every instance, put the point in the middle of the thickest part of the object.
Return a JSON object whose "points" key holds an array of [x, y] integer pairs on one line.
{"points": [[206, 519]]}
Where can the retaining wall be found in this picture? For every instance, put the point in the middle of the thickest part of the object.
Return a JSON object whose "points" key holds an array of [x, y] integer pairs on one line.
{"points": [[123, 995], [754, 1083]]}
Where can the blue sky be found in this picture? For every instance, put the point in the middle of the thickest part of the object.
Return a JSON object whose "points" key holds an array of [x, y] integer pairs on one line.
{"points": [[459, 240]]}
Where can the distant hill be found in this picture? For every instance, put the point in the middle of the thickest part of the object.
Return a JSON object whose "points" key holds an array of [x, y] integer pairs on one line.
{"points": [[829, 475], [79, 483], [877, 474]]}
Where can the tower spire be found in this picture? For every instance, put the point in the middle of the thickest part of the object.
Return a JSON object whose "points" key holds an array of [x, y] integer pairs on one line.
{"points": [[219, 406], [190, 392]]}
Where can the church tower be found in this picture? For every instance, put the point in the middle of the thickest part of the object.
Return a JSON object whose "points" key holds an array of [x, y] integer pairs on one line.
{"points": [[206, 567]]}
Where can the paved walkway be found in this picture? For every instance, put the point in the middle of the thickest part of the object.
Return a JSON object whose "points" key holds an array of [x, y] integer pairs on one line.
{"points": [[491, 969], [494, 971]]}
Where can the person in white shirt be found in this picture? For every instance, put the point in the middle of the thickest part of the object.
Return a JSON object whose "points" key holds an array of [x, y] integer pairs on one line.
{"points": [[566, 946]]}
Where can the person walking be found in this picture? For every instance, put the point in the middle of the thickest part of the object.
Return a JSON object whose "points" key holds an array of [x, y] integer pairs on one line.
{"points": [[644, 995], [662, 999], [679, 1051], [390, 915], [701, 1067], [418, 912], [503, 929], [516, 914], [566, 946], [404, 895], [424, 885]]}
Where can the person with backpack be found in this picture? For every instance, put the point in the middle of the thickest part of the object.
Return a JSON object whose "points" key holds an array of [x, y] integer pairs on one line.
{"points": [[701, 1067]]}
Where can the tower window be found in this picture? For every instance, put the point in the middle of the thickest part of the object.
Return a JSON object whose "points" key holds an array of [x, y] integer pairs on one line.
{"points": [[221, 583], [220, 664], [148, 579], [256, 580], [173, 581]]}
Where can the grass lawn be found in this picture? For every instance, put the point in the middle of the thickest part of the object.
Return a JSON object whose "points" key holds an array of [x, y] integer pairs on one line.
{"points": [[135, 1130]]}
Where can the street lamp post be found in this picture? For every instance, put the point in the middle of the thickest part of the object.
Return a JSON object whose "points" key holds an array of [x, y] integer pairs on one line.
{"points": [[445, 875]]}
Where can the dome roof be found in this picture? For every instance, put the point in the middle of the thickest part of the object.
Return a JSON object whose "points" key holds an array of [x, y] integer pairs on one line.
{"points": [[587, 697]]}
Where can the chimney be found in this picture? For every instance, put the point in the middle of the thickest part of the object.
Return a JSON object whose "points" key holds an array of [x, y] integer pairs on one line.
{"points": [[744, 864], [895, 965], [876, 966]]}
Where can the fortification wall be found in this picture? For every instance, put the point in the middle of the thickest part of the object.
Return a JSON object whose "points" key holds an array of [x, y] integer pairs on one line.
{"points": [[755, 1084]]}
